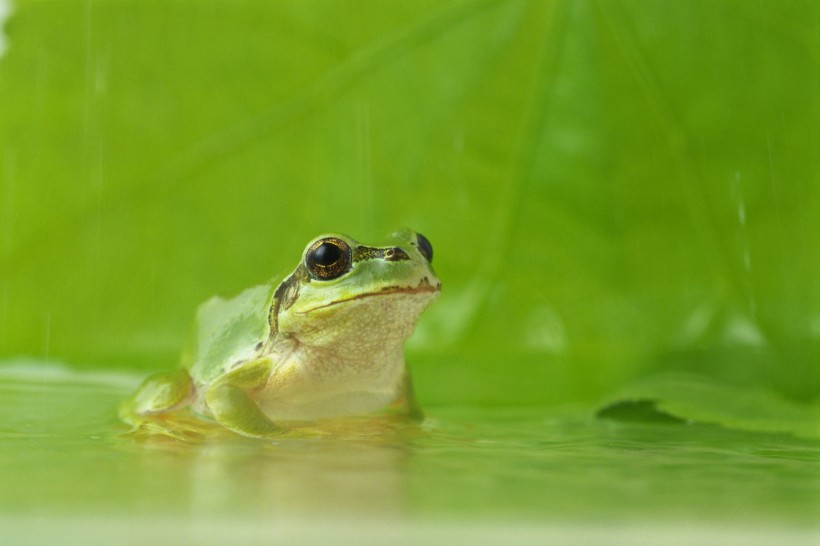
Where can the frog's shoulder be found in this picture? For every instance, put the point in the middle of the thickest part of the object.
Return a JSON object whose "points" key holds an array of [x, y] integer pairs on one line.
{"points": [[228, 330]]}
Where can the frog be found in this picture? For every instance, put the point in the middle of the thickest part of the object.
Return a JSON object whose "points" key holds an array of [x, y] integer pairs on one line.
{"points": [[326, 342]]}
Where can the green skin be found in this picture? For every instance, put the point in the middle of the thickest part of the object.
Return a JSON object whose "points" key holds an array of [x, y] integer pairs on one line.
{"points": [[326, 342]]}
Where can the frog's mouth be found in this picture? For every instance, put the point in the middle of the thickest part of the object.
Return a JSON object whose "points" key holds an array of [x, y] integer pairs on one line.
{"points": [[423, 287]]}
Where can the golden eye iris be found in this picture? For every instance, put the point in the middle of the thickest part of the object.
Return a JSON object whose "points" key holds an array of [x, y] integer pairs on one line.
{"points": [[328, 259]]}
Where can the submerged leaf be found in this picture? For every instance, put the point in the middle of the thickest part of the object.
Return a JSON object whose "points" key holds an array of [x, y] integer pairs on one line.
{"points": [[702, 400]]}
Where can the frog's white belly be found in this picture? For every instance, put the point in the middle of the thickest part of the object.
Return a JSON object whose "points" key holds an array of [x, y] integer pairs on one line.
{"points": [[297, 408], [313, 384]]}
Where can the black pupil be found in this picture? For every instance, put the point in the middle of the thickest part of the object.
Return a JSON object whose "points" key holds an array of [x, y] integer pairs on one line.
{"points": [[327, 254], [425, 247]]}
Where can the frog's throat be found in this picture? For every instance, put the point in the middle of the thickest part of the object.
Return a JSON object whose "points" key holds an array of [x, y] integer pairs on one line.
{"points": [[420, 289]]}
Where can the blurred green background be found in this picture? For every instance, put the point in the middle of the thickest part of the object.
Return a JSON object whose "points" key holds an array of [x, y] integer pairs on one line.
{"points": [[624, 201], [623, 196]]}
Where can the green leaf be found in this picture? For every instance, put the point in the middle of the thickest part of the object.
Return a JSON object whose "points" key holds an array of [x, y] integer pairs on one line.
{"points": [[609, 186]]}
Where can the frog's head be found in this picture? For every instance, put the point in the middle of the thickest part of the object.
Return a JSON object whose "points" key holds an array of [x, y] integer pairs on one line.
{"points": [[344, 289]]}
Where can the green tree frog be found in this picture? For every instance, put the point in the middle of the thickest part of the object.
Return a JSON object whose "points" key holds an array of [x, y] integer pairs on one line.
{"points": [[326, 342]]}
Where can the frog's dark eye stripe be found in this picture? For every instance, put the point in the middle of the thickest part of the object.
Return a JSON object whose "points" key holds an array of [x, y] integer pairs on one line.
{"points": [[425, 247], [328, 258], [391, 254]]}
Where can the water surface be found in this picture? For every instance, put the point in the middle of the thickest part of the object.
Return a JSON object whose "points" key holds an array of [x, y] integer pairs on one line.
{"points": [[486, 475]]}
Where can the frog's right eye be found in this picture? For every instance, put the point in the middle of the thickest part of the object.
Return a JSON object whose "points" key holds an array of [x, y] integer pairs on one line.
{"points": [[425, 248], [328, 258]]}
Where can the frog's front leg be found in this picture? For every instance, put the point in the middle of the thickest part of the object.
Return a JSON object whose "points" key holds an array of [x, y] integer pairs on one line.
{"points": [[407, 404], [230, 399]]}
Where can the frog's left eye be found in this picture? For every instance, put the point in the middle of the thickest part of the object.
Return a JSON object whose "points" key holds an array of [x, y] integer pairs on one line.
{"points": [[329, 258]]}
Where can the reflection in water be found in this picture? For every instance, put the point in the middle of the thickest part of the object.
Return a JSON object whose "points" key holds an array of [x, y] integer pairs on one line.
{"points": [[302, 480], [337, 473]]}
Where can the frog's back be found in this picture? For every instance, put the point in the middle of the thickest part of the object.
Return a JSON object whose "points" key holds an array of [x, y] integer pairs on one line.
{"points": [[227, 331]]}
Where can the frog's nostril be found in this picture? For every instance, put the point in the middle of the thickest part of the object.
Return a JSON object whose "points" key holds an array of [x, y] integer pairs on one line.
{"points": [[395, 254]]}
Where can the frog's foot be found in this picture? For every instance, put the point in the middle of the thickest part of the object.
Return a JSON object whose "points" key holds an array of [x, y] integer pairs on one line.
{"points": [[174, 425], [159, 394], [229, 399]]}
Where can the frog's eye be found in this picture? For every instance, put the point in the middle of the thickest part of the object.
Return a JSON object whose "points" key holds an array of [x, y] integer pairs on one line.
{"points": [[425, 247], [328, 259]]}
